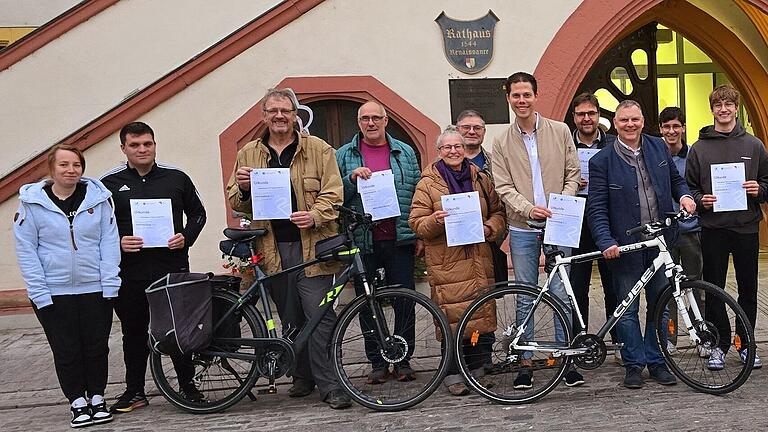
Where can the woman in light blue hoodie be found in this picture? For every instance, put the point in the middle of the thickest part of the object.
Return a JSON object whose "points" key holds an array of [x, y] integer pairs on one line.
{"points": [[68, 250]]}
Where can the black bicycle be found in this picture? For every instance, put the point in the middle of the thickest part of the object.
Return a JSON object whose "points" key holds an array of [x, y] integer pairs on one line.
{"points": [[715, 347], [246, 347]]}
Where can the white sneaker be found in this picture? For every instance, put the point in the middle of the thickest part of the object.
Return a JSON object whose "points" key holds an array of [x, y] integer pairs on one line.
{"points": [[704, 352], [716, 360], [671, 348], [756, 365]]}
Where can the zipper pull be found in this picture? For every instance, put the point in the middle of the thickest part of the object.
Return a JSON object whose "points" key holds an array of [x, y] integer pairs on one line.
{"points": [[72, 235]]}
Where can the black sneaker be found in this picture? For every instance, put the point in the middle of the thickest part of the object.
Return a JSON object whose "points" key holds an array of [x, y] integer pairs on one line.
{"points": [[80, 417], [129, 401], [661, 375], [100, 413], [191, 393], [338, 399], [404, 372], [573, 378], [524, 379], [379, 375], [301, 388], [634, 378]]}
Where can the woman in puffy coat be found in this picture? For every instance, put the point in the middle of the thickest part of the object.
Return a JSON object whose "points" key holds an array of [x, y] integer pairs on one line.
{"points": [[68, 250], [457, 274]]}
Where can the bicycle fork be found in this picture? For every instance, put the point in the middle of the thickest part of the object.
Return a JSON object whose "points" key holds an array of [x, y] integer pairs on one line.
{"points": [[377, 315]]}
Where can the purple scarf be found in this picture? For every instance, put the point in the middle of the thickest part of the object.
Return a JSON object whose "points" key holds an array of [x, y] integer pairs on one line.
{"points": [[458, 181]]}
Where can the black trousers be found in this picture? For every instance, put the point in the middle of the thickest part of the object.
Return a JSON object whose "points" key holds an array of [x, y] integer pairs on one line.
{"points": [[398, 263], [133, 310], [716, 246], [77, 328], [581, 275]]}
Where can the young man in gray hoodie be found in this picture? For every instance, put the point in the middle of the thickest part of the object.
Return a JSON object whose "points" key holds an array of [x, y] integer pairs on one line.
{"points": [[726, 233]]}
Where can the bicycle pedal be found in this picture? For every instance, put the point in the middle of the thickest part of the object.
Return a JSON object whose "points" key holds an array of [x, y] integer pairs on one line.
{"points": [[271, 390], [615, 346]]}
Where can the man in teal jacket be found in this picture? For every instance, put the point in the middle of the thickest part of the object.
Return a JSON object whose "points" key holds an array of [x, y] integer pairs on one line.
{"points": [[390, 244]]}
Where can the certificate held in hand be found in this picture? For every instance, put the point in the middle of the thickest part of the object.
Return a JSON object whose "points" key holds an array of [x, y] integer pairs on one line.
{"points": [[584, 156], [152, 220], [727, 185], [271, 193], [378, 195], [564, 226], [464, 223]]}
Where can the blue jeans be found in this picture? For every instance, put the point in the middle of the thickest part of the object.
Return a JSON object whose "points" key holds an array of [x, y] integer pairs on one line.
{"points": [[639, 350], [525, 248]]}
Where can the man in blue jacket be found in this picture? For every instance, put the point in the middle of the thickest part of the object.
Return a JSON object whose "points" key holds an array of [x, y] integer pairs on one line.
{"points": [[631, 183], [391, 244]]}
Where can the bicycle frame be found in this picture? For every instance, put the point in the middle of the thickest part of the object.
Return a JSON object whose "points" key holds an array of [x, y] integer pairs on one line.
{"points": [[672, 271], [354, 269]]}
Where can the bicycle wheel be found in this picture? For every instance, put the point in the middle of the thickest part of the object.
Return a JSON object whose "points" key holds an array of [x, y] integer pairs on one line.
{"points": [[222, 381], [724, 327], [489, 363], [357, 350]]}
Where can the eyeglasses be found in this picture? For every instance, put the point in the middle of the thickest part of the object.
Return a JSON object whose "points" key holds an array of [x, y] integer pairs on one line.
{"points": [[667, 127], [449, 147], [375, 119], [467, 128], [726, 104], [586, 113], [276, 111]]}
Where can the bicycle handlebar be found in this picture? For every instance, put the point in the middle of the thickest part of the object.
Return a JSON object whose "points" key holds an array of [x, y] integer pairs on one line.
{"points": [[659, 225], [357, 217]]}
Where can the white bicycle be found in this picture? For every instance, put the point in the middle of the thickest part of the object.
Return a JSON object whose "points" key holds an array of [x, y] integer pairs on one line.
{"points": [[539, 335]]}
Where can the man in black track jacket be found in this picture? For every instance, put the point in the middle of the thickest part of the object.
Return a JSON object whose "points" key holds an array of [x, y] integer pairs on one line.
{"points": [[144, 178]]}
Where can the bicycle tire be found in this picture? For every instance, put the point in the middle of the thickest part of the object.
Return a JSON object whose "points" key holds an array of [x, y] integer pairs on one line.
{"points": [[686, 362], [223, 381], [496, 382], [429, 362]]}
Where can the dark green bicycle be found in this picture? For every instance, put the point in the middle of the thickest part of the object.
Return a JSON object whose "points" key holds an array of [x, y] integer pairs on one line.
{"points": [[246, 347]]}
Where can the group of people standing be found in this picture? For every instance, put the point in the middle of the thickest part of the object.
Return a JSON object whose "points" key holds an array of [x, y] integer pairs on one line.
{"points": [[634, 178]]}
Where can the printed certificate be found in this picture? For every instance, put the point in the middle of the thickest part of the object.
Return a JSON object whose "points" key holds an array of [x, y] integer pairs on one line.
{"points": [[727, 181], [152, 220], [564, 227], [584, 156], [378, 195], [464, 223], [271, 193]]}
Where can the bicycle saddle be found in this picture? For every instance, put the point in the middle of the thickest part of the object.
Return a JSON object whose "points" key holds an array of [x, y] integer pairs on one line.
{"points": [[243, 235]]}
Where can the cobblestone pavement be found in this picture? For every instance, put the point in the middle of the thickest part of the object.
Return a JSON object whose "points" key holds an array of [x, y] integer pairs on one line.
{"points": [[30, 399]]}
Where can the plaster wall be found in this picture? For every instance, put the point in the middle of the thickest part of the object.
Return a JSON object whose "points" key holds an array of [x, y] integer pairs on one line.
{"points": [[397, 42]]}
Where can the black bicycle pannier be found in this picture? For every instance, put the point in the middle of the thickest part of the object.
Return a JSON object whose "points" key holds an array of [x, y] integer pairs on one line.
{"points": [[180, 317], [230, 326]]}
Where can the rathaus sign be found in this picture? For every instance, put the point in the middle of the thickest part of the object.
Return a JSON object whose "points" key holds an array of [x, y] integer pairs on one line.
{"points": [[468, 45]]}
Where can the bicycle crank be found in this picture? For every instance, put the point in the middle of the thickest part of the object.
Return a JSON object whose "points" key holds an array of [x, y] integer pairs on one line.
{"points": [[595, 351]]}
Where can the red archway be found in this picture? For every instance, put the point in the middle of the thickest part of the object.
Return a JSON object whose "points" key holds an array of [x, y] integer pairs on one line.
{"points": [[596, 24], [422, 130]]}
